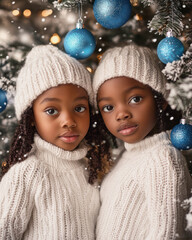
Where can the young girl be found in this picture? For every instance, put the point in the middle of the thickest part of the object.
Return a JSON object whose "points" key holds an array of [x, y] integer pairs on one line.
{"points": [[45, 194], [141, 197]]}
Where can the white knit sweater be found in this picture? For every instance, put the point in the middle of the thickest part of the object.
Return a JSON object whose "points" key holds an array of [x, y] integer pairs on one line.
{"points": [[47, 197], [141, 197]]}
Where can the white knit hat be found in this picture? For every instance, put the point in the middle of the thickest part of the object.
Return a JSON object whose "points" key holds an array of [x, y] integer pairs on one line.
{"points": [[46, 66], [131, 61]]}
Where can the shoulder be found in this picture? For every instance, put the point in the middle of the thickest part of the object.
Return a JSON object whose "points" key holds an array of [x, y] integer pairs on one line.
{"points": [[25, 172], [167, 158], [169, 153]]}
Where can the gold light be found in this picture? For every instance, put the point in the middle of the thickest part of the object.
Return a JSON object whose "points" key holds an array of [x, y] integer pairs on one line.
{"points": [[90, 69], [138, 17], [15, 12], [46, 12], [27, 13], [99, 56], [4, 164], [55, 38], [134, 2]]}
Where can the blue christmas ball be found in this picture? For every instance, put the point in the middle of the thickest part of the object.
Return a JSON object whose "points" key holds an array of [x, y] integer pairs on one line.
{"points": [[181, 136], [112, 13], [170, 49], [3, 100], [79, 43]]}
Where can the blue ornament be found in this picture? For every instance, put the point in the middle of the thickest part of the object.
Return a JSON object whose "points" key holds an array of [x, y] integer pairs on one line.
{"points": [[112, 13], [170, 49], [79, 43], [181, 136], [3, 100]]}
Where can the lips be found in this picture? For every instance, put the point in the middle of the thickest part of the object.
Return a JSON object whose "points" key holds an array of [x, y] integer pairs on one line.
{"points": [[69, 137], [127, 129]]}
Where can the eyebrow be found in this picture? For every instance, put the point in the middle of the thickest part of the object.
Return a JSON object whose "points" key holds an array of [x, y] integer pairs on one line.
{"points": [[58, 100], [126, 91]]}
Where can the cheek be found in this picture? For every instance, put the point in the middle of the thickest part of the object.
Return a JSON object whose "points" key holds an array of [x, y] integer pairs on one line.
{"points": [[109, 122], [44, 129], [149, 117]]}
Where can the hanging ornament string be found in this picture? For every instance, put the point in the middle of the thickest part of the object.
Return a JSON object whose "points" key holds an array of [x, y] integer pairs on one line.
{"points": [[172, 5], [80, 19], [79, 43]]}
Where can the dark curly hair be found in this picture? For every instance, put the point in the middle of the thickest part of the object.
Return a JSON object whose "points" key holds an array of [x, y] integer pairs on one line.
{"points": [[166, 118], [98, 157]]}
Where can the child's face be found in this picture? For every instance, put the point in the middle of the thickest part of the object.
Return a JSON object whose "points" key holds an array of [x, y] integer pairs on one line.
{"points": [[128, 108], [61, 116]]}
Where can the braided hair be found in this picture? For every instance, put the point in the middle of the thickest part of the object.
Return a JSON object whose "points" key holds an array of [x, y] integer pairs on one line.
{"points": [[98, 156], [22, 140]]}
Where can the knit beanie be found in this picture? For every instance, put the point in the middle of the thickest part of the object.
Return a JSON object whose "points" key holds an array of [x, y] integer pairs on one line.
{"points": [[46, 66], [130, 61]]}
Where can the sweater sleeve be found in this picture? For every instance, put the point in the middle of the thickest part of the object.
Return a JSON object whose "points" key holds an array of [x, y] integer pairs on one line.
{"points": [[165, 190], [18, 188]]}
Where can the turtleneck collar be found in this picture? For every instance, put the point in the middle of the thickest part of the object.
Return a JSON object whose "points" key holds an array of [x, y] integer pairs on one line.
{"points": [[148, 142], [57, 157]]}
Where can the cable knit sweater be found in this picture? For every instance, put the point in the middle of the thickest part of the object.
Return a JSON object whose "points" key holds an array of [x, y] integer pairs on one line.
{"points": [[141, 197], [47, 197]]}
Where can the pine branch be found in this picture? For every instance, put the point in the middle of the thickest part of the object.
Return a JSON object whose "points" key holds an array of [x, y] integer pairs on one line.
{"points": [[188, 30], [147, 3], [168, 15], [9, 66], [60, 4], [179, 75]]}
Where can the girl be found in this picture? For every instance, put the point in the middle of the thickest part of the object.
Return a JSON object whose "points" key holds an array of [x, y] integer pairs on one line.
{"points": [[45, 193], [141, 197]]}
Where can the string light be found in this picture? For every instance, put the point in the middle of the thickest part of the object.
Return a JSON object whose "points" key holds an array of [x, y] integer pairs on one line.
{"points": [[134, 2], [15, 12], [27, 13], [99, 56], [89, 69], [55, 38], [46, 12], [4, 164], [138, 17]]}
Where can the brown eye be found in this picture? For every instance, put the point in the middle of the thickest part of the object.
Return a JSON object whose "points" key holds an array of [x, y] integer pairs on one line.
{"points": [[51, 111], [136, 99], [80, 109], [107, 108]]}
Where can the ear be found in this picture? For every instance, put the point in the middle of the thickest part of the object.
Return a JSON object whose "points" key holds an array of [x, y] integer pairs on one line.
{"points": [[165, 104]]}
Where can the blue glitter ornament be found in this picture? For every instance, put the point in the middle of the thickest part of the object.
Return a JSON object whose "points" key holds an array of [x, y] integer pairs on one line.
{"points": [[79, 43], [3, 100], [170, 49], [112, 13], [181, 136]]}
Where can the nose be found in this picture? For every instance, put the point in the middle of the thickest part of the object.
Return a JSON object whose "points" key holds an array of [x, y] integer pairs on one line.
{"points": [[123, 114], [67, 120]]}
